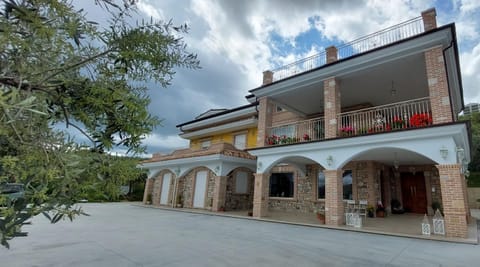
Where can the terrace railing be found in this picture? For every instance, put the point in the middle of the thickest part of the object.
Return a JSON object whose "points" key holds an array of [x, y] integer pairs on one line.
{"points": [[401, 115], [372, 41], [301, 131]]}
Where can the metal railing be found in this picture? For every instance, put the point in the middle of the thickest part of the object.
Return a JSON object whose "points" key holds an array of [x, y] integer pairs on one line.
{"points": [[378, 39], [301, 131], [300, 66], [381, 38], [396, 116]]}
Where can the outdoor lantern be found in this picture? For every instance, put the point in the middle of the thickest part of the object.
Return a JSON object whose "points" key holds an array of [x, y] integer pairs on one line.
{"points": [[444, 152], [357, 220], [425, 226], [349, 218], [438, 223]]}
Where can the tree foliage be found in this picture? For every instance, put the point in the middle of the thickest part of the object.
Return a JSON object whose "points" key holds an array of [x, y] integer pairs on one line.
{"points": [[57, 67]]}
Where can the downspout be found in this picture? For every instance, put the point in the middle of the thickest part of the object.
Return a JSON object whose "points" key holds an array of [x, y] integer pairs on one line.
{"points": [[448, 82]]}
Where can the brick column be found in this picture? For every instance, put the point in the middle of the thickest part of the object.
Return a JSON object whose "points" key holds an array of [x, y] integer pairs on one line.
{"points": [[219, 192], [267, 77], [438, 86], [264, 120], [260, 195], [372, 197], [429, 17], [334, 210], [453, 198], [331, 54], [331, 89], [157, 189], [148, 189]]}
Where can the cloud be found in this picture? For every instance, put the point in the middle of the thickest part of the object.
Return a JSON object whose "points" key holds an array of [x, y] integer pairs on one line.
{"points": [[470, 66]]}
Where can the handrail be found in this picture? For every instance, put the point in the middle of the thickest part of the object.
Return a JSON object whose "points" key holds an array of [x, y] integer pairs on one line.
{"points": [[360, 45]]}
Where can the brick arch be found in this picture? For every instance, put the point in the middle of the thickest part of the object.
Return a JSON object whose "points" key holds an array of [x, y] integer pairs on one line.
{"points": [[300, 166]]}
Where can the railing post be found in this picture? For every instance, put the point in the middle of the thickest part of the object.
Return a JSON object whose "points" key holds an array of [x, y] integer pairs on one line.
{"points": [[267, 77], [331, 54], [429, 17]]}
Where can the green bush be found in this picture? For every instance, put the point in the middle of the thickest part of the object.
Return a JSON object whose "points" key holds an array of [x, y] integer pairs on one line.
{"points": [[474, 179]]}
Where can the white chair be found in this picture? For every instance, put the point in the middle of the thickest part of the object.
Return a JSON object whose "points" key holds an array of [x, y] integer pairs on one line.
{"points": [[362, 208]]}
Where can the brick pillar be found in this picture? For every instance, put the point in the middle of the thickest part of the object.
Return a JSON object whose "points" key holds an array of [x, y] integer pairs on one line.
{"points": [[157, 189], [372, 197], [334, 210], [267, 77], [260, 195], [331, 54], [148, 189], [219, 192], [453, 198], [264, 120], [331, 89], [429, 17], [438, 86]]}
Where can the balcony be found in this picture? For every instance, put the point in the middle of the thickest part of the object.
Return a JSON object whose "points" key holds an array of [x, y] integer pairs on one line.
{"points": [[391, 117], [361, 45]]}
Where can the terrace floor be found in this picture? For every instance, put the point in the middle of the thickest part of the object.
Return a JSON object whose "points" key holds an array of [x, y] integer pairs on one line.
{"points": [[404, 225]]}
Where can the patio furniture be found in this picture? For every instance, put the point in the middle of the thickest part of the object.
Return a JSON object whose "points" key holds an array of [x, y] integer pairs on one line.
{"points": [[362, 207]]}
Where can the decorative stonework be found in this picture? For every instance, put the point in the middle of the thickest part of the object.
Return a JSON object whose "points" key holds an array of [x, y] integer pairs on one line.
{"points": [[186, 187], [236, 201]]}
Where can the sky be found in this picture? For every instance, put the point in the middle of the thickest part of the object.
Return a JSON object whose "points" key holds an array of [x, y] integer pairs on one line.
{"points": [[237, 40]]}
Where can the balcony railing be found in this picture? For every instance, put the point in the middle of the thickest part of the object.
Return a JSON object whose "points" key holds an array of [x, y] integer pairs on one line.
{"points": [[397, 116], [378, 39], [400, 115], [302, 131]]}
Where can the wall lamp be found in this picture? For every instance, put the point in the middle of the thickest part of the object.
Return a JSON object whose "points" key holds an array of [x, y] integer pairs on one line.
{"points": [[444, 152], [330, 161]]}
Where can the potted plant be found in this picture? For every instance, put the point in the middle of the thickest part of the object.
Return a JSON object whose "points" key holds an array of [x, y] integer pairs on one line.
{"points": [[370, 211], [320, 215], [306, 137], [222, 208], [380, 210]]}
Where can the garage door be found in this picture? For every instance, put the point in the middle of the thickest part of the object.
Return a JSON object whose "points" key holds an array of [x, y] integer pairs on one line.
{"points": [[165, 188], [200, 188]]}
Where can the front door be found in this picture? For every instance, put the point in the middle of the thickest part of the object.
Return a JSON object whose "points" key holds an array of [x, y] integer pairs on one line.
{"points": [[200, 189], [165, 188], [414, 193]]}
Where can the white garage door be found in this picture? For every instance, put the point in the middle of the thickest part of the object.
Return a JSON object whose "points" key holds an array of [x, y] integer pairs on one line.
{"points": [[165, 188], [200, 188]]}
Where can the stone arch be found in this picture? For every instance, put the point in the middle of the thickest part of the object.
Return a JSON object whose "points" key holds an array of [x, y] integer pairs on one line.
{"points": [[157, 186], [186, 186], [238, 200]]}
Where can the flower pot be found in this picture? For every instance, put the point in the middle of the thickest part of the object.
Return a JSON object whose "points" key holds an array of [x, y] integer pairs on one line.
{"points": [[380, 213]]}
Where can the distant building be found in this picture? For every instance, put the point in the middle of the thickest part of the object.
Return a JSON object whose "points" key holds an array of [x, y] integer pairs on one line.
{"points": [[471, 108]]}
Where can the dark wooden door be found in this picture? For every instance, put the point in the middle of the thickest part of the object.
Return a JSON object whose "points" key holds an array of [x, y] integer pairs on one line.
{"points": [[414, 193]]}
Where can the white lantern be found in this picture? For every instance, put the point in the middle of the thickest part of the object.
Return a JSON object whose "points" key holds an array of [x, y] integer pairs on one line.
{"points": [[438, 223], [357, 220], [425, 226]]}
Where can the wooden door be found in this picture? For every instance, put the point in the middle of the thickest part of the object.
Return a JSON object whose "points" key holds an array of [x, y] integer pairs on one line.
{"points": [[414, 193]]}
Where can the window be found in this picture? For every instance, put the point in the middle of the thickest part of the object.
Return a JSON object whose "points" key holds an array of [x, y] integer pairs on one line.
{"points": [[240, 141], [347, 184], [206, 144], [320, 185], [241, 183], [281, 185]]}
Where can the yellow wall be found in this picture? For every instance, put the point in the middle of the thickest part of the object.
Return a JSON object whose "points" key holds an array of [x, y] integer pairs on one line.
{"points": [[227, 138]]}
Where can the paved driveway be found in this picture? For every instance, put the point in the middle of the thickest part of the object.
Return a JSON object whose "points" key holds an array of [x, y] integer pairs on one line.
{"points": [[121, 234]]}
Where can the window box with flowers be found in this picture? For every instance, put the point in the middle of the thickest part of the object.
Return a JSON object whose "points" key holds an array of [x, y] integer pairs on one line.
{"points": [[420, 120], [280, 140]]}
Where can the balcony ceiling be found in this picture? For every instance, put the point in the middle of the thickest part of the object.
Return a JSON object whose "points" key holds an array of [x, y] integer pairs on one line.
{"points": [[371, 85]]}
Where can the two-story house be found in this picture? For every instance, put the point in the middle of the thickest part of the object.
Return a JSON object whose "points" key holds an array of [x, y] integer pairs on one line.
{"points": [[374, 120]]}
